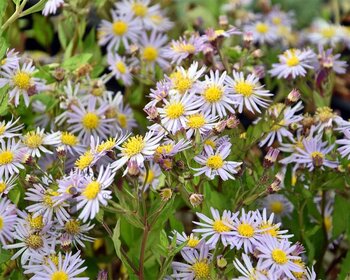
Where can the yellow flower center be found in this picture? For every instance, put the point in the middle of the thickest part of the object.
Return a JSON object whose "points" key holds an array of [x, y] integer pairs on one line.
{"points": [[157, 19], [278, 125], [164, 149], [244, 88], [91, 190], [91, 121], [36, 223], [213, 94], [120, 27], [47, 199], [84, 160], [54, 259], [150, 53], [72, 227], [174, 110], [1, 223], [276, 207], [293, 60], [2, 186], [299, 275], [121, 67], [192, 242], [150, 176], [182, 83], [279, 256], [201, 270], [139, 9], [133, 146], [324, 114], [270, 229], [184, 47], [22, 80], [316, 154], [245, 230], [106, 146], [276, 20], [215, 162], [6, 157], [262, 28], [210, 143], [123, 120], [59, 275], [328, 32], [33, 140], [328, 223], [34, 241], [69, 139], [196, 121], [219, 226]]}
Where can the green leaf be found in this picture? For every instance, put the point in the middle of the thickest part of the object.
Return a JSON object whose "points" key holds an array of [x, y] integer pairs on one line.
{"points": [[36, 8], [4, 255], [3, 6], [340, 215], [3, 100], [345, 268], [76, 61], [43, 31]]}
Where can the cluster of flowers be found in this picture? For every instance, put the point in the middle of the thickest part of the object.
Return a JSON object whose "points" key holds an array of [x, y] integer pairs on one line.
{"points": [[267, 251]]}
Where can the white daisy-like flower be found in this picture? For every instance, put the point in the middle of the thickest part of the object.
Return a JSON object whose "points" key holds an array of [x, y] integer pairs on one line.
{"points": [[248, 93], [344, 144], [218, 228], [30, 243], [281, 128], [277, 256], [94, 192], [121, 67], [137, 148], [199, 123], [36, 139], [51, 7], [197, 264], [293, 63], [9, 130], [175, 111], [71, 143], [152, 50], [46, 203], [247, 269], [277, 204], [192, 241], [11, 61], [246, 232], [89, 121], [12, 155], [326, 119], [324, 33], [7, 184], [21, 82], [76, 231], [8, 221], [263, 32], [66, 267], [170, 148], [124, 29], [215, 95], [186, 80], [215, 164], [159, 22]]}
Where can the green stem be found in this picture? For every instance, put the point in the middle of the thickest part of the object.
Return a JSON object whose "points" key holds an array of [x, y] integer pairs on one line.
{"points": [[14, 17]]}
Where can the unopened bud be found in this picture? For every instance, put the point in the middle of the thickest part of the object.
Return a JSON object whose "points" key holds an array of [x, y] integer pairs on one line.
{"points": [[317, 159], [270, 157], [133, 168], [196, 199], [61, 151], [152, 113], [59, 74], [340, 168], [247, 38], [276, 184], [32, 90], [31, 179], [180, 164], [166, 194], [66, 242], [223, 20], [221, 262], [220, 127], [166, 163], [257, 53], [84, 70], [102, 275], [28, 159], [293, 97], [232, 122]]}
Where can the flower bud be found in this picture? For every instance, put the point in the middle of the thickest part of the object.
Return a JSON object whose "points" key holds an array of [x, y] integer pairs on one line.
{"points": [[61, 152], [102, 275], [317, 159], [66, 242], [31, 179], [293, 97], [59, 74], [166, 194], [221, 262], [270, 157], [152, 113], [180, 164], [166, 163], [247, 38], [219, 127], [133, 168], [276, 184], [223, 20], [196, 199], [232, 122]]}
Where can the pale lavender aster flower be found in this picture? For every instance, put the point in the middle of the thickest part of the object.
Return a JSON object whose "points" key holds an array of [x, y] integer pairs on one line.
{"points": [[10, 62], [7, 184], [192, 241], [328, 61], [277, 204], [263, 32], [51, 6], [12, 155], [9, 130], [247, 269], [8, 221], [344, 144], [121, 67]]}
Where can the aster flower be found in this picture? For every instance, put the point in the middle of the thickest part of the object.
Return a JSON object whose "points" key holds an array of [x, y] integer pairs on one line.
{"points": [[136, 148], [153, 174], [328, 61], [215, 95], [293, 63], [248, 93], [159, 93], [170, 148], [281, 128], [325, 118], [12, 155], [324, 33], [277, 204], [215, 164], [152, 50], [159, 22], [263, 32], [218, 228], [71, 143], [246, 231], [51, 6], [94, 192], [10, 62], [344, 144], [123, 29], [7, 184], [192, 241], [36, 139], [277, 256], [89, 121], [9, 130], [248, 270], [121, 67], [199, 123], [183, 48], [8, 220], [175, 111], [197, 264], [66, 267], [76, 231], [21, 82]]}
